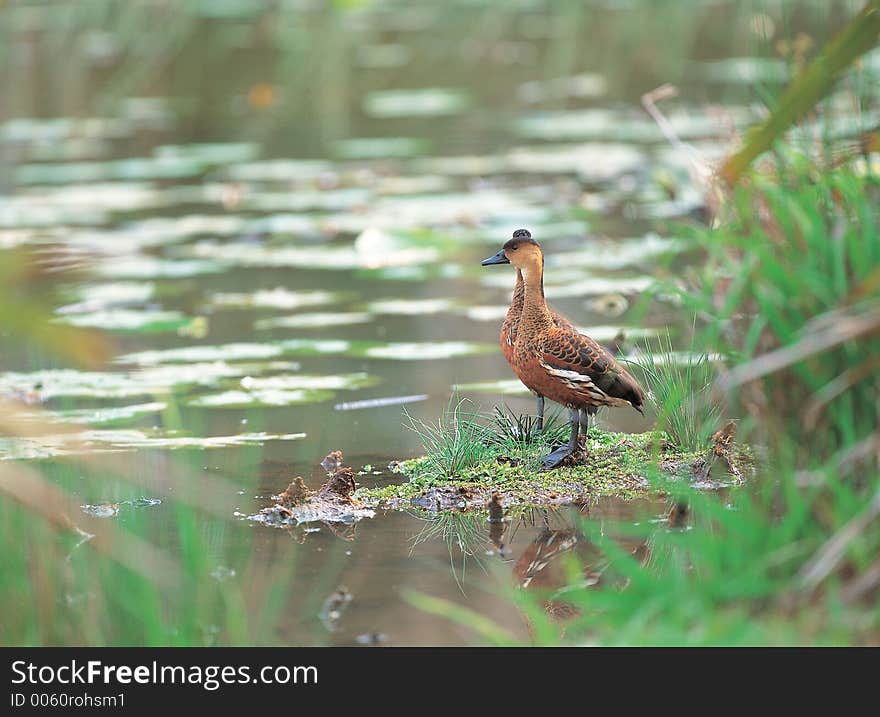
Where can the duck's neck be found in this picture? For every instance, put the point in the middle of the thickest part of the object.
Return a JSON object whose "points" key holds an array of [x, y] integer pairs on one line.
{"points": [[534, 306], [519, 294]]}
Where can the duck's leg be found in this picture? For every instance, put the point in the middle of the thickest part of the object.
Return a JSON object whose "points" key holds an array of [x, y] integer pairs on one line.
{"points": [[551, 460], [540, 422], [584, 416]]}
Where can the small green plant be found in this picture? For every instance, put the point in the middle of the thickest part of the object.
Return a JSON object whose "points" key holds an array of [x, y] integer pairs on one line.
{"points": [[456, 442], [518, 431], [681, 387]]}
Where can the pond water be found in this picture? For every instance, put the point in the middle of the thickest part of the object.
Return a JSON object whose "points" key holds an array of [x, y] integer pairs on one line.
{"points": [[278, 215]]}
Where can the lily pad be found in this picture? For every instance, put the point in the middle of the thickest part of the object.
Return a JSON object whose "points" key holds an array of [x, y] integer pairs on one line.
{"points": [[138, 439], [132, 320], [428, 102], [211, 152], [503, 386], [261, 397], [587, 85], [102, 441], [616, 253], [593, 285], [193, 354], [142, 266], [315, 347], [379, 147], [277, 298], [307, 256], [136, 168], [108, 415], [486, 313], [411, 307], [151, 380], [280, 170], [95, 297], [594, 163], [314, 321], [420, 351], [296, 381]]}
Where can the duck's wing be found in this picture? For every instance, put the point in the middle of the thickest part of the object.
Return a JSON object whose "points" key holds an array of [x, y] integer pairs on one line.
{"points": [[589, 369]]}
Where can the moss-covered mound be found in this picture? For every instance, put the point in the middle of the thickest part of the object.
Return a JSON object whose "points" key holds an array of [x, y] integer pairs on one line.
{"points": [[609, 464]]}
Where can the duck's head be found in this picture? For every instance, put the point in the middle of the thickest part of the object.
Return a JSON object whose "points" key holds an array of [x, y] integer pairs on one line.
{"points": [[522, 251]]}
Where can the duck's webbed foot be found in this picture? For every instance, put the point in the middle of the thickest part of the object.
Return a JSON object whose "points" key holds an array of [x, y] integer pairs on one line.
{"points": [[554, 459]]}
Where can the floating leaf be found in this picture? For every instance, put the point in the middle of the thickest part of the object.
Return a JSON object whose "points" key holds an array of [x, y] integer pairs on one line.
{"points": [[192, 354], [147, 267], [266, 397], [142, 321], [278, 298], [98, 441], [505, 386], [379, 147], [414, 351], [107, 415], [314, 321], [94, 297], [287, 382], [428, 102], [411, 307]]}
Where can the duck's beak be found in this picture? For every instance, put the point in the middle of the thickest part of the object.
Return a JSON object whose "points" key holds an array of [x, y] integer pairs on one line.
{"points": [[499, 258]]}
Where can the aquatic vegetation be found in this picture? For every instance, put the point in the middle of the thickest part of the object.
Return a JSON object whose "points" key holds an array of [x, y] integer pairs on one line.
{"points": [[454, 474], [115, 440], [414, 307], [516, 431], [428, 102], [277, 298], [130, 320], [284, 390], [115, 414], [682, 392], [414, 351], [317, 320], [456, 442], [236, 398], [504, 386], [196, 354]]}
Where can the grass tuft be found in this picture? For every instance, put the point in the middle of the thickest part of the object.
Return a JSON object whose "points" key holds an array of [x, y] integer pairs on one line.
{"points": [[456, 442], [681, 389]]}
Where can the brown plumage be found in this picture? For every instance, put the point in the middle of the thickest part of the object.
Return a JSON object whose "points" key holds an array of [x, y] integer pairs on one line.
{"points": [[507, 339], [550, 357]]}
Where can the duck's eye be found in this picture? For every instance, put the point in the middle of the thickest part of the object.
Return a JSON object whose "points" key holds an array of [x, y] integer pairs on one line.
{"points": [[513, 248]]}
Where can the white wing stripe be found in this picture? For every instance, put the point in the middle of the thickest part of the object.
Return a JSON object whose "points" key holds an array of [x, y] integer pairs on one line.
{"points": [[579, 382], [568, 375]]}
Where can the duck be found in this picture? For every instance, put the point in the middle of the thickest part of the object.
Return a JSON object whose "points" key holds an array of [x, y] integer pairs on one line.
{"points": [[552, 358], [507, 338]]}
